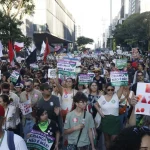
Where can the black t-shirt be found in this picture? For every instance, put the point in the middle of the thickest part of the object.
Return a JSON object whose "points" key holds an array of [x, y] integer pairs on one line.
{"points": [[51, 130], [49, 107], [100, 82]]}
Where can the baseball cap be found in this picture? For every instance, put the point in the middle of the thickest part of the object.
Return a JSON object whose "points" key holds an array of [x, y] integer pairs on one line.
{"points": [[19, 85], [2, 111]]}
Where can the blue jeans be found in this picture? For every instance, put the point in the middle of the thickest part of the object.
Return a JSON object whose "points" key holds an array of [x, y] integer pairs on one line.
{"points": [[123, 119], [27, 127]]}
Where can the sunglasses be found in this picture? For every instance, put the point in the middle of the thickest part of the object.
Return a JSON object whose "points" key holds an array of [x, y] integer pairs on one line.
{"points": [[110, 90], [54, 86], [27, 86]]}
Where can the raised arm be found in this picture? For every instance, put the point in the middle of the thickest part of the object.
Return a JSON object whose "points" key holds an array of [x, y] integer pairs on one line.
{"points": [[120, 91]]}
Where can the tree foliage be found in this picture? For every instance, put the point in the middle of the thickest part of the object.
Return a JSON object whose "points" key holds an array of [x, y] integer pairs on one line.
{"points": [[17, 8], [82, 41], [9, 30], [134, 30]]}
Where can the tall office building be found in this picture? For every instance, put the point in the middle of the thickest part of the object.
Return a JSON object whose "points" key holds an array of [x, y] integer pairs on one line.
{"points": [[134, 6], [78, 31]]}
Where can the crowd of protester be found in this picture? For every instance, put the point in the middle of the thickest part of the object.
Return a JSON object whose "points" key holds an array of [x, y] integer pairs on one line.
{"points": [[68, 110]]}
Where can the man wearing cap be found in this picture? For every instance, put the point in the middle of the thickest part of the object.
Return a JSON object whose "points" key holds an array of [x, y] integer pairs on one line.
{"points": [[99, 80], [32, 96], [14, 141], [18, 88], [51, 104]]}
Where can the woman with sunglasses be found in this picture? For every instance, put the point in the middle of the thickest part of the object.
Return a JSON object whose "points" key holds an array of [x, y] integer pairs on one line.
{"points": [[132, 138], [108, 108]]}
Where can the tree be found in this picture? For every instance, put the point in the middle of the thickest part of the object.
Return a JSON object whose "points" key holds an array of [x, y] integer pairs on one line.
{"points": [[134, 31], [9, 30], [82, 41], [17, 8]]}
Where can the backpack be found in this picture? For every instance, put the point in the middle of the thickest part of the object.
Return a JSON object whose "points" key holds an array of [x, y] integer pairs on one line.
{"points": [[10, 140]]}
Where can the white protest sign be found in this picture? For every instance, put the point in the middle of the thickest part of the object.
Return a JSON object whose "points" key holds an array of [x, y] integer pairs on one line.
{"points": [[111, 53], [86, 78], [26, 107], [143, 96], [119, 78], [119, 52], [40, 141], [52, 73], [14, 76]]}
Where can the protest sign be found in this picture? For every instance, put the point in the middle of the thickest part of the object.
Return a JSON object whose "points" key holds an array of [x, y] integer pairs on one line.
{"points": [[39, 141], [121, 63], [119, 52], [52, 73], [14, 76], [111, 53], [86, 78], [26, 107], [143, 96], [67, 68], [34, 66], [119, 78]]}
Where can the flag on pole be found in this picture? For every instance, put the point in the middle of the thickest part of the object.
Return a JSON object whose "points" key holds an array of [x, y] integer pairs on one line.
{"points": [[47, 50], [1, 48], [11, 52], [18, 46], [32, 47], [43, 48], [32, 58]]}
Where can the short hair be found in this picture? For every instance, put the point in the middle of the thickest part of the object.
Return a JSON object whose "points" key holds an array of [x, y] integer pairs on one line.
{"points": [[45, 86], [29, 80], [5, 85], [80, 97], [112, 64]]}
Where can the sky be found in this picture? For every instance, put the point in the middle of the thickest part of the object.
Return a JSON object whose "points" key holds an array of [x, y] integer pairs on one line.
{"points": [[92, 15]]}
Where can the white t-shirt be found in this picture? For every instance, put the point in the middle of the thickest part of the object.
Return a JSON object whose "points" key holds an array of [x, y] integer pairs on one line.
{"points": [[19, 143], [111, 107]]}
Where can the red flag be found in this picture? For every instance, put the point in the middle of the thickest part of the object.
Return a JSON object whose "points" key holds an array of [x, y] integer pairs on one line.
{"points": [[10, 52], [18, 46], [47, 50]]}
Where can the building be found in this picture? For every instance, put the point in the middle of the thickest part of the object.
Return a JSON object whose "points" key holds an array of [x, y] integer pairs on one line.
{"points": [[134, 6], [51, 20], [78, 31]]}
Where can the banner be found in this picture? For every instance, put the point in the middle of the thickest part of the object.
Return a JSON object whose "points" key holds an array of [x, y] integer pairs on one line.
{"points": [[14, 76], [119, 78], [86, 78], [52, 73], [67, 68], [25, 107], [121, 63], [39, 141], [143, 96]]}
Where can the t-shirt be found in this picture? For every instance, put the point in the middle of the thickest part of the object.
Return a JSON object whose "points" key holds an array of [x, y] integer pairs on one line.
{"points": [[100, 82], [49, 106], [111, 107], [73, 120], [18, 141]]}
